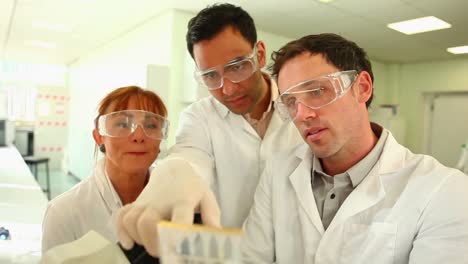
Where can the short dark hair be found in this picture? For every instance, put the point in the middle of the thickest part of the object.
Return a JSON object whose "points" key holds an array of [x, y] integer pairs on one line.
{"points": [[338, 51], [213, 19]]}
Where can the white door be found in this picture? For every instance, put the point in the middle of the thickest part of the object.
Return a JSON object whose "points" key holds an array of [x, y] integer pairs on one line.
{"points": [[449, 127]]}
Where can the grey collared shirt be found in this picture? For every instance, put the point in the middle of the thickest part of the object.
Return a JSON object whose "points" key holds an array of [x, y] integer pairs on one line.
{"points": [[331, 191]]}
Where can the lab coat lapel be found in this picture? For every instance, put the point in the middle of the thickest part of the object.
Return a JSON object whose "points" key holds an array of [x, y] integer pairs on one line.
{"points": [[275, 123], [240, 124], [300, 180], [366, 194]]}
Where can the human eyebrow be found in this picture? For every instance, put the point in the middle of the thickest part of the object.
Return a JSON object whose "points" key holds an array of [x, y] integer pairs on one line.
{"points": [[149, 116], [236, 59]]}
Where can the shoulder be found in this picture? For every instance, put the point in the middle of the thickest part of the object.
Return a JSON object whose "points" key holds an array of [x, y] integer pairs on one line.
{"points": [[423, 174], [69, 203], [204, 106]]}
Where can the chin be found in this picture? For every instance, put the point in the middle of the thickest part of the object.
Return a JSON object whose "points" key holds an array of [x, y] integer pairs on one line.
{"points": [[320, 151], [238, 111]]}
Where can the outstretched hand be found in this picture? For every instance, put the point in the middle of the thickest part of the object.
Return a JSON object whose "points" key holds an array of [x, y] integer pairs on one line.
{"points": [[174, 192]]}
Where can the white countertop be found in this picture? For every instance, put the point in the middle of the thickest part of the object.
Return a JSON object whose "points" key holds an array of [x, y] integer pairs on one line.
{"points": [[22, 206]]}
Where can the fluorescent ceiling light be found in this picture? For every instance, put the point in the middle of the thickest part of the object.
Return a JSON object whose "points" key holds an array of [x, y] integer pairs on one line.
{"points": [[326, 1], [419, 25], [41, 44], [52, 27], [458, 50]]}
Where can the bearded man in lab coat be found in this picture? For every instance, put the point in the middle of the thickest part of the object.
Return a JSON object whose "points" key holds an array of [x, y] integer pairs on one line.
{"points": [[352, 194], [223, 139]]}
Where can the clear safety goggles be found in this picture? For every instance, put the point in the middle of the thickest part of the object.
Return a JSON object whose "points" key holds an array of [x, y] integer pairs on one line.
{"points": [[236, 71], [124, 123], [315, 93]]}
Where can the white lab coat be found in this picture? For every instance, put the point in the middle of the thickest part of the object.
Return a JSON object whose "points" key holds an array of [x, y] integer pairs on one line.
{"points": [[408, 209], [228, 152], [90, 205]]}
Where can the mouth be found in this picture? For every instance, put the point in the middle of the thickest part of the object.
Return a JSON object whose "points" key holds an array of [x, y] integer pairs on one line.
{"points": [[314, 133], [236, 100], [137, 153]]}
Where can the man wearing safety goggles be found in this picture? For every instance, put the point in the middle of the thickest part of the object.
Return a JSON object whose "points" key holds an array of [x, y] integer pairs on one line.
{"points": [[225, 137], [351, 194]]}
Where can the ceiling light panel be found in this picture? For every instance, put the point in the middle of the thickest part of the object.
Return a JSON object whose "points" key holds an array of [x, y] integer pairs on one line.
{"points": [[419, 25], [458, 50]]}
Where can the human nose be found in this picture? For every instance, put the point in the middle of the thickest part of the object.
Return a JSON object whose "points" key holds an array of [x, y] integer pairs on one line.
{"points": [[138, 134], [228, 87], [303, 112]]}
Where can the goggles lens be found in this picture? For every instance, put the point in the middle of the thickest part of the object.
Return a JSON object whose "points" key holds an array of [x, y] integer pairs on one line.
{"points": [[124, 123], [315, 93], [236, 71]]}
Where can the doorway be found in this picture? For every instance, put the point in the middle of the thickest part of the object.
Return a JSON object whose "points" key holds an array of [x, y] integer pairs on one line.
{"points": [[446, 126]]}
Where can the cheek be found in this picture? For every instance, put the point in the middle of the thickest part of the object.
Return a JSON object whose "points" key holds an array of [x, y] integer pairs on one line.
{"points": [[346, 115], [155, 146], [218, 93], [113, 147]]}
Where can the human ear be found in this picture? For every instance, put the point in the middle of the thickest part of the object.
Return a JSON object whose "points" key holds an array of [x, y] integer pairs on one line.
{"points": [[97, 137], [364, 87], [261, 54]]}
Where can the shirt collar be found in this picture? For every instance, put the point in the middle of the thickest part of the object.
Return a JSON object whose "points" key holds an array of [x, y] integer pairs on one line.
{"points": [[274, 91], [360, 170]]}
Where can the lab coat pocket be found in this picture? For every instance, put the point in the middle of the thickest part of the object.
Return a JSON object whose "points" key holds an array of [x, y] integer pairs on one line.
{"points": [[373, 243]]}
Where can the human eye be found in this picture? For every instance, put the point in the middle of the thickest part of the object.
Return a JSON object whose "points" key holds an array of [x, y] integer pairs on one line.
{"points": [[211, 75], [315, 88], [237, 67], [289, 101], [153, 123], [121, 124], [317, 91]]}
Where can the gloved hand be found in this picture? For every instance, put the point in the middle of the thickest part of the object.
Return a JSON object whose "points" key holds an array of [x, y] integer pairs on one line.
{"points": [[173, 193]]}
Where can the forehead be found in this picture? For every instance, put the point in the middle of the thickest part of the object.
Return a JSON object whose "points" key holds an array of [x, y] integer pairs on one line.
{"points": [[304, 66], [224, 47], [133, 103], [132, 114]]}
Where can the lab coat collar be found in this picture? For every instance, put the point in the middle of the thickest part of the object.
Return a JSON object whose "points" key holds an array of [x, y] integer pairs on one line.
{"points": [[368, 193], [300, 180], [393, 155], [371, 190], [105, 187]]}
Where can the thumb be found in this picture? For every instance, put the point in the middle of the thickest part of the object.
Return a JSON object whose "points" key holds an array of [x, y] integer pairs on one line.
{"points": [[183, 214], [209, 209]]}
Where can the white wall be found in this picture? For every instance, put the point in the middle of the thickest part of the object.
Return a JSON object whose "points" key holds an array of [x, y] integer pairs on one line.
{"points": [[419, 78], [272, 42], [406, 85], [121, 62]]}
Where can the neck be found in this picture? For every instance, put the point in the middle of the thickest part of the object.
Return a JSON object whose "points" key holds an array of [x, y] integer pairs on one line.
{"points": [[264, 99], [127, 185], [350, 155]]}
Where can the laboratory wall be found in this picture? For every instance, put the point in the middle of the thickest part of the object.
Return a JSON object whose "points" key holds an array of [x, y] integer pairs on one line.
{"points": [[120, 62], [37, 98], [51, 125], [416, 80]]}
